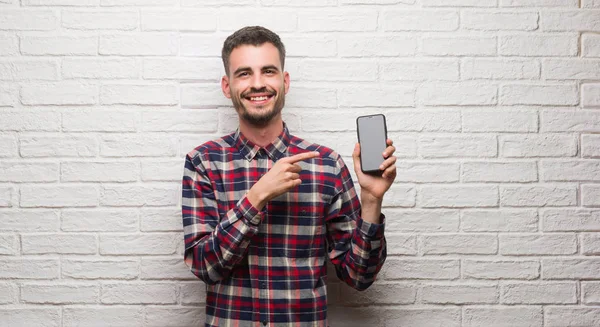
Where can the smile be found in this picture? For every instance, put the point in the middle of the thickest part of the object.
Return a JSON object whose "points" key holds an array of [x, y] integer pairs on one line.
{"points": [[259, 99]]}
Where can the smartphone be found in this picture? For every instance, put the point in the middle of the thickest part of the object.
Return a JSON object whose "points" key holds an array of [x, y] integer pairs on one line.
{"points": [[372, 136]]}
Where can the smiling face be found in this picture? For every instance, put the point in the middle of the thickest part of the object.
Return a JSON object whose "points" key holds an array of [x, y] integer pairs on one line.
{"points": [[256, 83]]}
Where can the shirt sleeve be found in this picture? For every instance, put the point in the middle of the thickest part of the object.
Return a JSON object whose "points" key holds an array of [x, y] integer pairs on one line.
{"points": [[357, 248], [213, 244]]}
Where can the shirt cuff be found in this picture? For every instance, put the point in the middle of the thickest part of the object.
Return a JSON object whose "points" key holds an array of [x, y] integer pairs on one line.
{"points": [[249, 213], [369, 230]]}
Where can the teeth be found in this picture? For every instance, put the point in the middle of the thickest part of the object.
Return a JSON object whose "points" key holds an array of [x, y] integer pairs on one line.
{"points": [[258, 98]]}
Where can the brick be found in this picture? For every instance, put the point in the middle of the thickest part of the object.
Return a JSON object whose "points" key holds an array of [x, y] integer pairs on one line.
{"points": [[280, 20], [43, 317], [539, 94], [162, 171], [9, 244], [28, 20], [590, 95], [459, 244], [410, 221], [356, 317], [169, 268], [8, 146], [539, 293], [499, 171], [415, 317], [537, 45], [499, 221], [570, 268], [99, 121], [458, 3], [193, 293], [590, 292], [536, 244], [499, 20], [380, 293], [100, 69], [211, 96], [8, 293], [141, 94], [144, 244], [427, 172], [572, 20], [59, 45], [590, 4], [373, 46], [59, 293], [326, 46], [543, 195], [539, 3], [472, 293], [400, 196], [529, 316], [99, 171], [590, 195], [308, 97], [100, 269], [590, 45], [183, 69], [404, 244], [84, 3], [347, 70], [390, 96], [58, 243], [28, 220], [139, 44], [571, 316], [29, 121], [59, 196], [565, 69], [6, 196], [130, 316], [134, 145], [570, 121], [201, 45], [329, 121], [590, 243], [542, 145], [59, 145], [180, 121], [25, 70], [500, 269], [114, 220], [457, 146], [338, 20], [570, 170], [174, 317], [570, 220], [139, 293], [455, 94], [46, 268], [482, 120], [8, 95], [420, 70], [457, 196], [179, 20], [459, 45], [20, 172], [147, 195], [9, 45], [61, 94], [420, 20], [124, 20], [138, 3], [482, 68], [421, 269], [161, 220]]}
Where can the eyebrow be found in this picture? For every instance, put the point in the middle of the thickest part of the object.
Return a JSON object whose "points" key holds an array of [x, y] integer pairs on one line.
{"points": [[243, 69]]}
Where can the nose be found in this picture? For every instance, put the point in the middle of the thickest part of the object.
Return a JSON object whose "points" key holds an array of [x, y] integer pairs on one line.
{"points": [[257, 81]]}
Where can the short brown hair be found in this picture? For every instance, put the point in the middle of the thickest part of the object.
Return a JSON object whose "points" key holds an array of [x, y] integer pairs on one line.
{"points": [[251, 35]]}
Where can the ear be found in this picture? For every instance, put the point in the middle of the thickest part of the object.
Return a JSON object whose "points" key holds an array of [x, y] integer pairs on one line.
{"points": [[225, 86], [286, 81]]}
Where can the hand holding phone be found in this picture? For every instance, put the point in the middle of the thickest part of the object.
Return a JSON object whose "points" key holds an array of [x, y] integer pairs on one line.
{"points": [[372, 136]]}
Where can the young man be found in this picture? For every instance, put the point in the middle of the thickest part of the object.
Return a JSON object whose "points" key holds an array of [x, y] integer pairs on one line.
{"points": [[262, 209]]}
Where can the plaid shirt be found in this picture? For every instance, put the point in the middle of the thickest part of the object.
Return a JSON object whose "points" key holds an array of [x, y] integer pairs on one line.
{"points": [[269, 267]]}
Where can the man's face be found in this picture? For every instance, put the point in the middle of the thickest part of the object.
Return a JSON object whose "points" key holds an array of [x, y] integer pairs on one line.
{"points": [[256, 83]]}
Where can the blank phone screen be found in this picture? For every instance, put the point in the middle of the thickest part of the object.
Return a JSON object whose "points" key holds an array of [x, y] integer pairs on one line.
{"points": [[372, 139]]}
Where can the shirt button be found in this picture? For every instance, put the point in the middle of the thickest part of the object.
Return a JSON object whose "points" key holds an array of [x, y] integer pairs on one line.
{"points": [[263, 285], [264, 322]]}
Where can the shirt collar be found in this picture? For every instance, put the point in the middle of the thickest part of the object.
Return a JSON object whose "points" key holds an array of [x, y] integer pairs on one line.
{"points": [[275, 150]]}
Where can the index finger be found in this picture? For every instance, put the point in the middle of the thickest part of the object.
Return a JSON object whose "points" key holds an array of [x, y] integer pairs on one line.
{"points": [[302, 156]]}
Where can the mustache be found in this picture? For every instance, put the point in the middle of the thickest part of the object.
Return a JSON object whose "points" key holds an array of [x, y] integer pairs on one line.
{"points": [[254, 91]]}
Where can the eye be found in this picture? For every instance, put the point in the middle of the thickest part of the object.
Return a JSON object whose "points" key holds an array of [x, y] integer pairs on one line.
{"points": [[242, 74], [269, 71]]}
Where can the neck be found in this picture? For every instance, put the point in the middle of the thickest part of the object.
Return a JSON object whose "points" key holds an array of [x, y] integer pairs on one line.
{"points": [[262, 135]]}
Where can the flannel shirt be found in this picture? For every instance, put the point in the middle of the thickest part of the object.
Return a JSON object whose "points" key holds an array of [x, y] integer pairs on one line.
{"points": [[269, 267]]}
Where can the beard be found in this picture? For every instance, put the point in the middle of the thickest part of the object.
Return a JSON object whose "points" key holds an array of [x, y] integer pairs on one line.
{"points": [[262, 118]]}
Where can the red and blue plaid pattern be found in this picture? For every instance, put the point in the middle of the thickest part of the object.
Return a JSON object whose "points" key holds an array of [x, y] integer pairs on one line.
{"points": [[269, 266]]}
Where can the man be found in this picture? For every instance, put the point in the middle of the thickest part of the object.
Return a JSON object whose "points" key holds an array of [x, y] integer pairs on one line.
{"points": [[262, 208]]}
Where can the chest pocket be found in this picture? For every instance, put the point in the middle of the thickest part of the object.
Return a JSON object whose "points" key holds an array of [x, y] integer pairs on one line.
{"points": [[305, 233]]}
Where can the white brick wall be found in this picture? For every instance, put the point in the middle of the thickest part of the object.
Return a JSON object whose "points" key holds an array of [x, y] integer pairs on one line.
{"points": [[492, 104]]}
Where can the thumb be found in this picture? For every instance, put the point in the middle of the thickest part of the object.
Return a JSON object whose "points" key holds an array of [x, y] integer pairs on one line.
{"points": [[356, 157]]}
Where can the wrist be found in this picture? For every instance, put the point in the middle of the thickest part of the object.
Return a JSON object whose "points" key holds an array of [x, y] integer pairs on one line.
{"points": [[256, 198], [370, 208]]}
